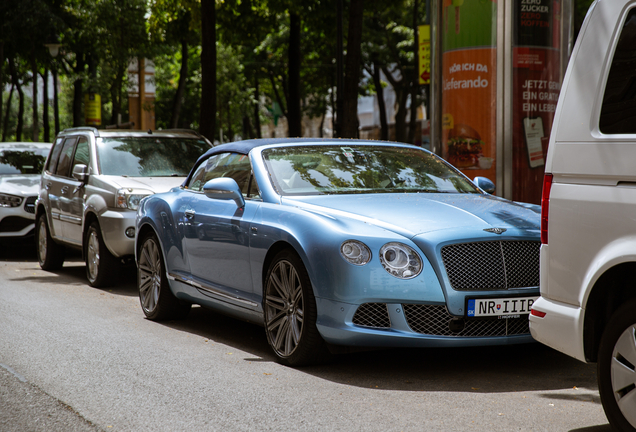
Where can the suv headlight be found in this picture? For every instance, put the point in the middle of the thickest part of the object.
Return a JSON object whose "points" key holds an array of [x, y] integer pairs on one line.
{"points": [[10, 200], [400, 260], [130, 198]]}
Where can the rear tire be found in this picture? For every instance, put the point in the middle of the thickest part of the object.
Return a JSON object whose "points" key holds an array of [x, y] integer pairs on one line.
{"points": [[617, 368], [157, 300], [50, 254], [290, 313], [102, 268]]}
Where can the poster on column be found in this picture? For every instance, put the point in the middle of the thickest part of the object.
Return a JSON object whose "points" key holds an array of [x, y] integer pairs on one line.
{"points": [[536, 85], [469, 88]]}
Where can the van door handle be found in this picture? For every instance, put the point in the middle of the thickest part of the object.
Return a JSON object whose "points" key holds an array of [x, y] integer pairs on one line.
{"points": [[190, 214], [64, 190], [47, 186]]}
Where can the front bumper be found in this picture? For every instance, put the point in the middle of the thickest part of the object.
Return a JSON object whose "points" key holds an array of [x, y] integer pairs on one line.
{"points": [[561, 328], [402, 327], [114, 225], [17, 221]]}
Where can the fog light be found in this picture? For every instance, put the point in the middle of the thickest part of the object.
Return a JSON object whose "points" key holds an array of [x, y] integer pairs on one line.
{"points": [[130, 232]]}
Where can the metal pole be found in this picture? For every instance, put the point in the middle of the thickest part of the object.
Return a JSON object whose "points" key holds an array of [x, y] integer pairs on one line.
{"points": [[339, 71]]}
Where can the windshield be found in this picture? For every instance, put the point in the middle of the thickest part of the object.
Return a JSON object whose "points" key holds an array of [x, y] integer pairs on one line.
{"points": [[336, 169], [29, 161], [149, 156]]}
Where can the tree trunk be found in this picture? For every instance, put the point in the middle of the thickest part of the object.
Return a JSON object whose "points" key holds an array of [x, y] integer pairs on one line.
{"points": [[183, 76], [45, 106], [379, 91], [2, 81], [115, 96], [294, 115], [34, 72], [16, 81], [208, 69], [78, 92], [400, 116], [56, 108], [5, 123], [349, 123], [257, 116]]}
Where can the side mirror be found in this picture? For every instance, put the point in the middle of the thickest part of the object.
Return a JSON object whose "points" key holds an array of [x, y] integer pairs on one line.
{"points": [[224, 188], [485, 184], [80, 173]]}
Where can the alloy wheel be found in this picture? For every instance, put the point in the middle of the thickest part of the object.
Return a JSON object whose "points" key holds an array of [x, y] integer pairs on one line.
{"points": [[623, 370], [92, 255], [284, 308], [149, 275], [42, 250]]}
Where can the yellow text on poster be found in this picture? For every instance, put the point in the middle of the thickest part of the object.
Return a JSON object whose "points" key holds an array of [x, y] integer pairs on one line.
{"points": [[424, 53], [93, 109]]}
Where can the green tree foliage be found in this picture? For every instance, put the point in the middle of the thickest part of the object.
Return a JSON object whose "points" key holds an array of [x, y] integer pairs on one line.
{"points": [[267, 51]]}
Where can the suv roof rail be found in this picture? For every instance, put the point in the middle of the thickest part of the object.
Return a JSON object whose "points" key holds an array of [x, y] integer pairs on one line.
{"points": [[82, 128], [192, 131]]}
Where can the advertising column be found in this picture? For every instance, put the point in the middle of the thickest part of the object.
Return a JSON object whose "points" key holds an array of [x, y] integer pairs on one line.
{"points": [[536, 81], [469, 88]]}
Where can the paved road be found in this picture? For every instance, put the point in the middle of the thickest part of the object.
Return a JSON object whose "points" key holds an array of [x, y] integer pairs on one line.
{"points": [[76, 358]]}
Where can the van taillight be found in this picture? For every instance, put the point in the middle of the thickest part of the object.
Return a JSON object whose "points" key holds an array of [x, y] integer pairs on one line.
{"points": [[545, 207]]}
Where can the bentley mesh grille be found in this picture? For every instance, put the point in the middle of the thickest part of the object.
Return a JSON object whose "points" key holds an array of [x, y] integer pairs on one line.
{"points": [[372, 315], [492, 265], [29, 204], [435, 320]]}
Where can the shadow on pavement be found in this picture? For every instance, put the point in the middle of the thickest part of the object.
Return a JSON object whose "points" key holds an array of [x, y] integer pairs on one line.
{"points": [[72, 273], [598, 428], [513, 368]]}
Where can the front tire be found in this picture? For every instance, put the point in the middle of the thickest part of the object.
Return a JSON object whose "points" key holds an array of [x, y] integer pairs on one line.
{"points": [[617, 368], [102, 268], [50, 254], [290, 312], [157, 301]]}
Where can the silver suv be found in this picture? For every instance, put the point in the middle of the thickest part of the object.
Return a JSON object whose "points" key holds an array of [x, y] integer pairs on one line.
{"points": [[91, 186]]}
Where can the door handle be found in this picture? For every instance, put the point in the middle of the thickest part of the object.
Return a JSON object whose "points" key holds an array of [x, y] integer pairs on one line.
{"points": [[47, 186], [190, 214], [64, 190]]}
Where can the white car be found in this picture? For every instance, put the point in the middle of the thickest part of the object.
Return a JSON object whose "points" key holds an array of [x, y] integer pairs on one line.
{"points": [[587, 307], [20, 166]]}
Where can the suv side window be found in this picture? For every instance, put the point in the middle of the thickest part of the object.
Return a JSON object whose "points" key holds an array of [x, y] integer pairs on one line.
{"points": [[51, 163], [81, 152], [64, 164], [233, 165], [618, 112]]}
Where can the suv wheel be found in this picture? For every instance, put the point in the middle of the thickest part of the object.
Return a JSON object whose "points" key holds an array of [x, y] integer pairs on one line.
{"points": [[50, 254], [617, 368], [101, 266]]}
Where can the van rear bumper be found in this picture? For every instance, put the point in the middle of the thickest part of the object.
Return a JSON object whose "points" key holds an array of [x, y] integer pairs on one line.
{"points": [[561, 328]]}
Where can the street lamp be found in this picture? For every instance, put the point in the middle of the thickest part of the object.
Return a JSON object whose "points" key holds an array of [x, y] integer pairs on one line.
{"points": [[54, 48]]}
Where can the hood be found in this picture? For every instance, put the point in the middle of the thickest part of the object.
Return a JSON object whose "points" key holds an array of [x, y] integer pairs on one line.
{"points": [[411, 214], [21, 185], [155, 184]]}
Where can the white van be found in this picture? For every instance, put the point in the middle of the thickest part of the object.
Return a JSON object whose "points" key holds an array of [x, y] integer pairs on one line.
{"points": [[587, 307]]}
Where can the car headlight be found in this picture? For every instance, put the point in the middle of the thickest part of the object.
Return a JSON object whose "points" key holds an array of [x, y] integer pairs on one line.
{"points": [[10, 200], [400, 260], [355, 252], [130, 198]]}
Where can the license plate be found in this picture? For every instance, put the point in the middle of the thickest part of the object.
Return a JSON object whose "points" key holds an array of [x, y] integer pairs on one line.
{"points": [[500, 306]]}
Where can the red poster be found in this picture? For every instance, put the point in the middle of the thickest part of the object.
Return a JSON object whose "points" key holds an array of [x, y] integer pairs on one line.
{"points": [[536, 85]]}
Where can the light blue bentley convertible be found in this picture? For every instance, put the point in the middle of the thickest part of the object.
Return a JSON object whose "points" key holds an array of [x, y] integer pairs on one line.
{"points": [[340, 243]]}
